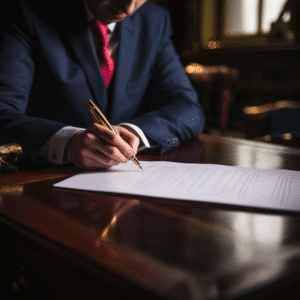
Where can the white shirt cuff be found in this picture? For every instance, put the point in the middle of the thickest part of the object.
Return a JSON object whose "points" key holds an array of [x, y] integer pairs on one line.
{"points": [[54, 149], [140, 133]]}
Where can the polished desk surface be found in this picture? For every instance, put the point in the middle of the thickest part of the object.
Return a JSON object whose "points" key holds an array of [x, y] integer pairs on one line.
{"points": [[125, 247]]}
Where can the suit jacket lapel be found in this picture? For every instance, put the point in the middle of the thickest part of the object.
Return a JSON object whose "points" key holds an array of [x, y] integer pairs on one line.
{"points": [[79, 35], [123, 67]]}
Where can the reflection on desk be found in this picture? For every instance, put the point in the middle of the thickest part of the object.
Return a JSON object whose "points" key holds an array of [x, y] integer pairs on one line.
{"points": [[86, 245]]}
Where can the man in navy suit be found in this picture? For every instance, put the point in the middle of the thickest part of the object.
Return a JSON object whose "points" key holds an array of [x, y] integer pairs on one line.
{"points": [[49, 68]]}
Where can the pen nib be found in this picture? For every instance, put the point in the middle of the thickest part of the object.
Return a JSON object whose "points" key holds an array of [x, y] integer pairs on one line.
{"points": [[135, 160]]}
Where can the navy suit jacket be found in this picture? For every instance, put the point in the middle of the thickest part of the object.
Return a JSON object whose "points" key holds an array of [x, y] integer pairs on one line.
{"points": [[49, 68]]}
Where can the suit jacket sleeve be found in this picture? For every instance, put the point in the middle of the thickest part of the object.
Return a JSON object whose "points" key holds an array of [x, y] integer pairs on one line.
{"points": [[18, 58], [173, 113]]}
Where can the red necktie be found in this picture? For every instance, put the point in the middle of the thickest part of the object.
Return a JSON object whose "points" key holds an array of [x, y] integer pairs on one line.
{"points": [[107, 64]]}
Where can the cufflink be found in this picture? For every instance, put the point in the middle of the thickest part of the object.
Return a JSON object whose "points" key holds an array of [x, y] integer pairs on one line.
{"points": [[171, 141]]}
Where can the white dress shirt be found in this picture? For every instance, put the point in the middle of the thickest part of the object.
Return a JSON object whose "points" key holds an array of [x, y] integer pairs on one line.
{"points": [[53, 151]]}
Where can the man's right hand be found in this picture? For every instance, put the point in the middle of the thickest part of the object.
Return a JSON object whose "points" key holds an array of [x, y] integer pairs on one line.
{"points": [[98, 147]]}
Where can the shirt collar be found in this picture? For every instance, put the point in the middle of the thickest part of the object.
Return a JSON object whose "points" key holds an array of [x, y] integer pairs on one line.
{"points": [[111, 27]]}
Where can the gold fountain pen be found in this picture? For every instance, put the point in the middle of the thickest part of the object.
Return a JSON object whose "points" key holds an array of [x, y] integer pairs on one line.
{"points": [[99, 118]]}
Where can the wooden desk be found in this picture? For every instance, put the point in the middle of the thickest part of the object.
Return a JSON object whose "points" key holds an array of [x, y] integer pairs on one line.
{"points": [[65, 244]]}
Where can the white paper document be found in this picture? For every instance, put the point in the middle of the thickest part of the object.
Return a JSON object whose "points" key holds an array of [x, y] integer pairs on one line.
{"points": [[273, 189]]}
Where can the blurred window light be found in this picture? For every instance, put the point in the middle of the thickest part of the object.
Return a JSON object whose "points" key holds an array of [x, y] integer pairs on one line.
{"points": [[270, 13], [242, 17]]}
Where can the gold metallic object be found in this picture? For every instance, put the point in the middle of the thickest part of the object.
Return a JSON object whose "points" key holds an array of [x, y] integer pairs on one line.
{"points": [[99, 118], [10, 149]]}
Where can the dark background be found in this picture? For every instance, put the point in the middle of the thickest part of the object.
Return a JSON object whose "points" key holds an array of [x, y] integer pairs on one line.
{"points": [[267, 72]]}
